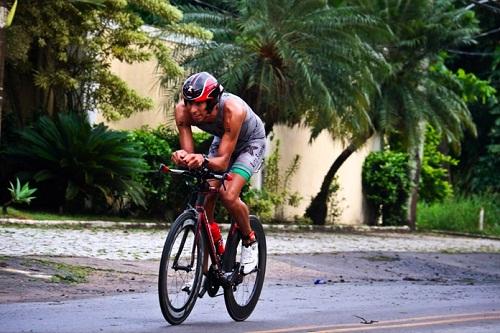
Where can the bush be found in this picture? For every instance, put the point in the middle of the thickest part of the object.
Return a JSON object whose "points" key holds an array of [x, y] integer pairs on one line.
{"points": [[434, 184], [386, 185], [165, 195], [76, 165], [460, 214], [19, 194]]}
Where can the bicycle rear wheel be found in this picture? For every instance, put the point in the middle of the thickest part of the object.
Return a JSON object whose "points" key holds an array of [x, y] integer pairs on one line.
{"points": [[241, 299], [180, 276]]}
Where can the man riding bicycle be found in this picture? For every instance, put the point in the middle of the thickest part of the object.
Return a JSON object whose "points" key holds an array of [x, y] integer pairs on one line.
{"points": [[238, 147]]}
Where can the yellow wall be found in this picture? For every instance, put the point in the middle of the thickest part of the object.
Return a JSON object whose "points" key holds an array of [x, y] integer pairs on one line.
{"points": [[144, 79], [316, 159]]}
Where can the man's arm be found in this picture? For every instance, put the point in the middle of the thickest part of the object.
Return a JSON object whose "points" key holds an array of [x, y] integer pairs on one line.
{"points": [[234, 116], [183, 122]]}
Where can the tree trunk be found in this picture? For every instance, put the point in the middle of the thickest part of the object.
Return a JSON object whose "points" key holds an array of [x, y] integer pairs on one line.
{"points": [[416, 166], [318, 208], [3, 21]]}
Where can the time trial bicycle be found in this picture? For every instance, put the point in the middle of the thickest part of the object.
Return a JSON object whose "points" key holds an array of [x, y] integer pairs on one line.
{"points": [[181, 278]]}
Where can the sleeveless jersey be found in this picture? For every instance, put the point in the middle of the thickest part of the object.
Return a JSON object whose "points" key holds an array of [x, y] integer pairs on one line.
{"points": [[251, 129]]}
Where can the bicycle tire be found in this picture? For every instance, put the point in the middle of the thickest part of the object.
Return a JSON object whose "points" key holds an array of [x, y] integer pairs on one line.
{"points": [[241, 300], [176, 301]]}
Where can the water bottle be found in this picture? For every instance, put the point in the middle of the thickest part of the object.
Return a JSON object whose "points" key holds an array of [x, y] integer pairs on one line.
{"points": [[218, 242]]}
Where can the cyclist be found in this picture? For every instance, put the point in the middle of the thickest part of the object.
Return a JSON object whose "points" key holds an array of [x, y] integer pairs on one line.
{"points": [[238, 147]]}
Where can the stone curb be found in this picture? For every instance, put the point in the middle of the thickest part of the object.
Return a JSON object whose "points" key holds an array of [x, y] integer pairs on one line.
{"points": [[223, 226]]}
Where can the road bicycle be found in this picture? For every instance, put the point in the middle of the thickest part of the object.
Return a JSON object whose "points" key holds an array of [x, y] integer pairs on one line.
{"points": [[181, 278]]}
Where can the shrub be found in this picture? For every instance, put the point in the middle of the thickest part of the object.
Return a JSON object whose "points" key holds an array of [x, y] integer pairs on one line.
{"points": [[76, 165], [19, 194], [386, 185], [165, 195], [434, 184]]}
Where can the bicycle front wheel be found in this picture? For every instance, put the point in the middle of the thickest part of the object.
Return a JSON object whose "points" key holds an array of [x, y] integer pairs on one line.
{"points": [[180, 276], [241, 299]]}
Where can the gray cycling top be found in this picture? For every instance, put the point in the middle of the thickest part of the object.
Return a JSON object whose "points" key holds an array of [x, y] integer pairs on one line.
{"points": [[252, 128]]}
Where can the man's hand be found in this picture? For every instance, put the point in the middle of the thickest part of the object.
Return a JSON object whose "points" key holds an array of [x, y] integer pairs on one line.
{"points": [[178, 157], [194, 161]]}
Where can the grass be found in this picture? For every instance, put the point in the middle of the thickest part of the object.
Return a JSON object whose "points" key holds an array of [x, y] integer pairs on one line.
{"points": [[461, 215], [40, 215], [64, 273]]}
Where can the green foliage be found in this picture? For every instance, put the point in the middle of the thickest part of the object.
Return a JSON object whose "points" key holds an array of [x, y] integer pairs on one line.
{"points": [[461, 214], [164, 195], [77, 165], [156, 149], [386, 185], [486, 177], [19, 194], [413, 92], [478, 169], [260, 203], [10, 16], [434, 181], [292, 60], [474, 89], [59, 55], [277, 183], [334, 210]]}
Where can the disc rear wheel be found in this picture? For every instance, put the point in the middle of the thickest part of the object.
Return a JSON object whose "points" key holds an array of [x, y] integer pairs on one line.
{"points": [[242, 298]]}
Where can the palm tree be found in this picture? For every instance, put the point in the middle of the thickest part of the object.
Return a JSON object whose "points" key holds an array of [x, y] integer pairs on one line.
{"points": [[414, 94], [292, 61]]}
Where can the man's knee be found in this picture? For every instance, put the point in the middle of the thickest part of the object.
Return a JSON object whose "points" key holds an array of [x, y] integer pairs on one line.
{"points": [[229, 197]]}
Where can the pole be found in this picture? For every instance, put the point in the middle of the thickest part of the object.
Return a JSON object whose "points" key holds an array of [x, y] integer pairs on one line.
{"points": [[481, 219]]}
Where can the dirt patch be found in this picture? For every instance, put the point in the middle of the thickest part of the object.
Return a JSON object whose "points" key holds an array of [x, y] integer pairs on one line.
{"points": [[52, 279], [32, 278]]}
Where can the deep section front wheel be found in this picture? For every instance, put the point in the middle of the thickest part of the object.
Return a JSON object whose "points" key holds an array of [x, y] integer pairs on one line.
{"points": [[242, 298], [180, 276]]}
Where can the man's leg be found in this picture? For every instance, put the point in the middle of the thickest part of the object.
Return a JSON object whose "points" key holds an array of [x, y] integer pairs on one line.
{"points": [[239, 211], [231, 200]]}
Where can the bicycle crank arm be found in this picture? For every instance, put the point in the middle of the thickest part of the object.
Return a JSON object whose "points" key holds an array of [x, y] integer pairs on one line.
{"points": [[182, 268], [232, 279]]}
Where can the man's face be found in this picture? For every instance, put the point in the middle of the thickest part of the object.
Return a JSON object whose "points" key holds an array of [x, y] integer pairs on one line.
{"points": [[198, 110]]}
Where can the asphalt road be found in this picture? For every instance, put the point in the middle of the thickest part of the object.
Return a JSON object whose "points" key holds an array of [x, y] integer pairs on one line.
{"points": [[327, 308], [390, 292]]}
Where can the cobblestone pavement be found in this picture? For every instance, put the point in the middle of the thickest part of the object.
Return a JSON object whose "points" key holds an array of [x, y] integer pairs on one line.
{"points": [[147, 244]]}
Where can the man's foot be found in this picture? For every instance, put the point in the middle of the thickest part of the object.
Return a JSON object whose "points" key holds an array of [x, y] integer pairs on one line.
{"points": [[249, 257]]}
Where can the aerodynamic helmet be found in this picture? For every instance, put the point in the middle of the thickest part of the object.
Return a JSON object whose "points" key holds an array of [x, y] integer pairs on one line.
{"points": [[202, 87]]}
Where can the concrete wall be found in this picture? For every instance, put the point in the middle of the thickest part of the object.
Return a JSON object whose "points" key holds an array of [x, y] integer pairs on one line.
{"points": [[316, 159], [144, 79]]}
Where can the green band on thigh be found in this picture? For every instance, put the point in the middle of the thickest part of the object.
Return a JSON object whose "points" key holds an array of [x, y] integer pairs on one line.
{"points": [[242, 172]]}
